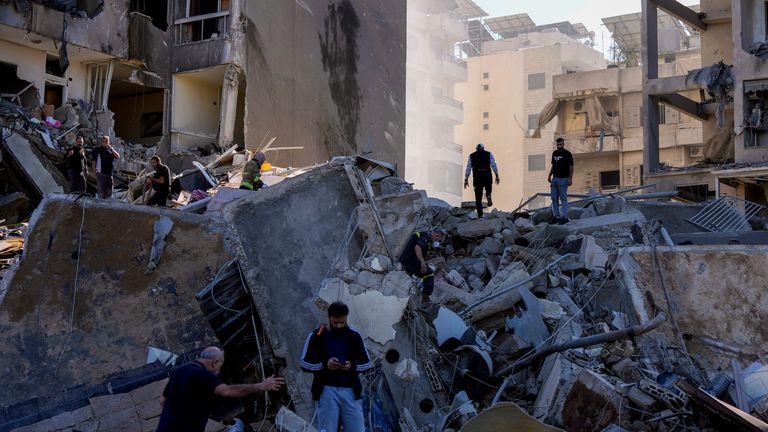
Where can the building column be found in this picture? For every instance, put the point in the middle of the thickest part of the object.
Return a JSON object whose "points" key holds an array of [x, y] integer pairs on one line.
{"points": [[228, 109], [650, 60]]}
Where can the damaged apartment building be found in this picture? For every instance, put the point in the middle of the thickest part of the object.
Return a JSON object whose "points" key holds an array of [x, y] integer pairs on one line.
{"points": [[187, 79], [598, 112]]}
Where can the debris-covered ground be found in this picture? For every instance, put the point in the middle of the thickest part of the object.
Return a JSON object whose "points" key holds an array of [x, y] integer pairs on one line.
{"points": [[601, 323]]}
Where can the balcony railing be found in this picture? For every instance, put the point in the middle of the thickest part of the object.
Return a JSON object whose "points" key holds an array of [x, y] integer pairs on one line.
{"points": [[445, 100], [455, 60]]}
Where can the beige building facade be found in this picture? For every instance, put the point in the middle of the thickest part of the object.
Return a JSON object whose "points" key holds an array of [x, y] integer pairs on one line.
{"points": [[433, 158], [507, 86]]}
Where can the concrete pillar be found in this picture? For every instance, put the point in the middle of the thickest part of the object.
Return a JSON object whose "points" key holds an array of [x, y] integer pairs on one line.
{"points": [[228, 109], [164, 146], [650, 60]]}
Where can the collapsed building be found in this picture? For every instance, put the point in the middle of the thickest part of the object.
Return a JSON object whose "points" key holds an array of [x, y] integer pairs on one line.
{"points": [[189, 79], [613, 321]]}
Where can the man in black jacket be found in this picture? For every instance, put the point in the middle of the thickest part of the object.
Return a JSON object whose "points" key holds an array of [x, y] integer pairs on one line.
{"points": [[560, 177], [76, 166], [160, 183], [480, 164], [336, 355]]}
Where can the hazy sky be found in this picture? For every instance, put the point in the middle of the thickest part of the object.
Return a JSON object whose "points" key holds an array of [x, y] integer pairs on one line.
{"points": [[588, 12]]}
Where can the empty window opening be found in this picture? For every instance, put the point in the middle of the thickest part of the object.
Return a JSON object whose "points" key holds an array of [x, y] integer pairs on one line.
{"points": [[486, 87], [54, 95], [536, 81], [16, 90], [533, 121], [486, 126], [52, 66], [695, 193], [155, 9], [610, 179], [485, 115]]}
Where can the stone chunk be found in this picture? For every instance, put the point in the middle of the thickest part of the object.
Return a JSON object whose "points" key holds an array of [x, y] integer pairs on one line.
{"points": [[396, 283], [489, 246], [148, 392], [592, 255], [524, 225], [369, 280], [592, 403], [510, 235], [108, 405], [377, 264], [479, 228]]}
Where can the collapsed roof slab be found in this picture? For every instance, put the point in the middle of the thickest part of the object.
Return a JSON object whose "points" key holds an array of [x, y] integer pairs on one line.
{"points": [[80, 306], [718, 296], [39, 173], [290, 236]]}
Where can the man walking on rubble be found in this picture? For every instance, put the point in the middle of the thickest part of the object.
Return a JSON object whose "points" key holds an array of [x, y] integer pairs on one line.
{"points": [[103, 162], [336, 355], [77, 170], [560, 177], [252, 172], [160, 182], [480, 164], [187, 398], [413, 258]]}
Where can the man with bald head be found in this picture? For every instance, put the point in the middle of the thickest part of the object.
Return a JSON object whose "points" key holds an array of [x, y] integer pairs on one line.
{"points": [[187, 398]]}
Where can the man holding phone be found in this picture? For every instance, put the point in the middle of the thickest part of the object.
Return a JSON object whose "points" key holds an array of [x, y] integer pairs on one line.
{"points": [[336, 355]]}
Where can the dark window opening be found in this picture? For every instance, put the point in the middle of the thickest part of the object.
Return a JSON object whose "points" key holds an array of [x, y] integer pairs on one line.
{"points": [[486, 87], [15, 89], [533, 121], [202, 7], [537, 81], [54, 95], [610, 179], [155, 9], [52, 66], [695, 193]]}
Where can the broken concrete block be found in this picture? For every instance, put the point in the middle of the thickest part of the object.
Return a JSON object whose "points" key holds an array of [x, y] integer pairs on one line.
{"points": [[492, 264], [450, 296], [547, 235], [288, 421], [475, 283], [104, 406], [506, 417], [407, 370], [149, 409], [332, 289], [597, 223], [369, 280], [512, 345], [148, 392], [557, 375], [507, 273], [551, 310], [41, 175], [510, 235], [162, 229], [398, 214], [397, 283], [605, 206], [641, 399], [592, 403], [542, 215], [479, 228], [524, 225], [489, 246], [377, 264], [592, 255]]}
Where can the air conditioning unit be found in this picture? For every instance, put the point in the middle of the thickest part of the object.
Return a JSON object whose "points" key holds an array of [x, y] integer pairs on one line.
{"points": [[696, 152], [579, 106]]}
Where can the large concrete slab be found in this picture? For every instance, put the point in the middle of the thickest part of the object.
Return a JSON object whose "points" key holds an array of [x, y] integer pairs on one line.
{"points": [[38, 174], [118, 311], [290, 235], [718, 295]]}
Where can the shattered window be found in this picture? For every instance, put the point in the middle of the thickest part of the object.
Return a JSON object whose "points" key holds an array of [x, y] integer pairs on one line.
{"points": [[199, 20], [99, 78]]}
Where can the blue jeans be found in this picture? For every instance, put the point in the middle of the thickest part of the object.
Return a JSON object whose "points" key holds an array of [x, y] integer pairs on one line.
{"points": [[559, 192], [338, 402]]}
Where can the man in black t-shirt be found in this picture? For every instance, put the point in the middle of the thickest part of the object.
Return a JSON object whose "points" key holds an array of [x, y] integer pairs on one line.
{"points": [[76, 167], [188, 396], [103, 162], [160, 181], [560, 177]]}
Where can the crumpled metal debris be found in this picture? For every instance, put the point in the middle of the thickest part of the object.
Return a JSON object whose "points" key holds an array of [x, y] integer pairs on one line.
{"points": [[718, 80]]}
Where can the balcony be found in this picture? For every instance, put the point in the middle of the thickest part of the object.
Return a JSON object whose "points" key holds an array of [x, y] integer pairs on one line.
{"points": [[449, 110], [454, 68], [581, 143], [453, 26], [446, 146]]}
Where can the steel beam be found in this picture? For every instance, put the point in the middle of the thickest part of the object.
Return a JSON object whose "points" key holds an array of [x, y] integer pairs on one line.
{"points": [[682, 12], [650, 62], [685, 105]]}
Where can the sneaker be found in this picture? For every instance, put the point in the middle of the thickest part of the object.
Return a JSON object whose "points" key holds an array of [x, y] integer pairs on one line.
{"points": [[490, 202]]}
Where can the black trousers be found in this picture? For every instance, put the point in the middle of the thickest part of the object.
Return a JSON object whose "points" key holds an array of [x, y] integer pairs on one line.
{"points": [[480, 184], [427, 279], [158, 199]]}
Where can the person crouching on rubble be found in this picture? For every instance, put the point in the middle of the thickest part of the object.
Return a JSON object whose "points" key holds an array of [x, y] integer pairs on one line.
{"points": [[159, 183], [336, 355], [252, 172], [414, 262]]}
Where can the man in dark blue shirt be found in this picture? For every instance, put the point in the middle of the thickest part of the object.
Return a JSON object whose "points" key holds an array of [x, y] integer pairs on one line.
{"points": [[413, 258], [187, 398], [336, 355]]}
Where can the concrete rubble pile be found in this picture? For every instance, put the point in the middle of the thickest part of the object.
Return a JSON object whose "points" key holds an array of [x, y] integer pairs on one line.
{"points": [[597, 324]]}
